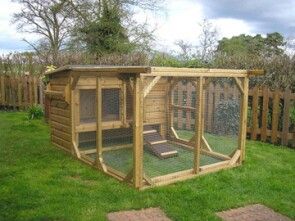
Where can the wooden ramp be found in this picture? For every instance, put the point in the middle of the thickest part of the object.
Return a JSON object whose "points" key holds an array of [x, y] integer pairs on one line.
{"points": [[157, 145]]}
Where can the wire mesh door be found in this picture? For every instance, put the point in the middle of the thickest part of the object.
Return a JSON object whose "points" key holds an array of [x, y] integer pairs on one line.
{"points": [[222, 115], [106, 116], [162, 106], [117, 116]]}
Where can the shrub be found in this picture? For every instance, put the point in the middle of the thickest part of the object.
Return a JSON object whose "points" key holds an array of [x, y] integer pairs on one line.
{"points": [[227, 116], [35, 112]]}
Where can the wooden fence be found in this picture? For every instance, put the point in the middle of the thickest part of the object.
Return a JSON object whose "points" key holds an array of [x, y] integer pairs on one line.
{"points": [[268, 111], [20, 92], [269, 118]]}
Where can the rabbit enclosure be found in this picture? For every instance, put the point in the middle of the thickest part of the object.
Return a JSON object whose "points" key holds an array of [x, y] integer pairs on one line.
{"points": [[124, 121]]}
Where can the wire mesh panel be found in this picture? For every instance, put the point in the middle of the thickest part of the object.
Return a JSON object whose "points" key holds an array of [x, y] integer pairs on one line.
{"points": [[115, 105], [222, 100], [183, 108], [162, 155], [117, 123], [87, 106], [180, 117], [170, 112]]}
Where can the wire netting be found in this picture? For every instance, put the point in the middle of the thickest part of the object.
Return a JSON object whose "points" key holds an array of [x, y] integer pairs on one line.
{"points": [[170, 110], [222, 114], [116, 121], [170, 107]]}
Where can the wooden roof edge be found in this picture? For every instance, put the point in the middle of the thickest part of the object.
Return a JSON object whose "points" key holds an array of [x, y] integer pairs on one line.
{"points": [[256, 72], [198, 70], [102, 68], [153, 70]]}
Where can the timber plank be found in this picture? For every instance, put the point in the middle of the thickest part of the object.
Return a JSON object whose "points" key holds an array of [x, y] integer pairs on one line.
{"points": [[275, 116], [265, 111]]}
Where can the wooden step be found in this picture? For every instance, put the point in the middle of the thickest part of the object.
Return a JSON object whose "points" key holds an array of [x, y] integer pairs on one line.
{"points": [[158, 142], [149, 131], [169, 153]]}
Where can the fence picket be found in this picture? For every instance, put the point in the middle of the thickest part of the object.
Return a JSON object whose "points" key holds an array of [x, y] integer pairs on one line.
{"points": [[20, 91], [286, 116], [254, 113], [35, 87], [265, 111], [275, 116], [267, 129]]}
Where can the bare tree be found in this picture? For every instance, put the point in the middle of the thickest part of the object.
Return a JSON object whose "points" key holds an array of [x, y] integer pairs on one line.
{"points": [[208, 40], [186, 49], [49, 19], [290, 46]]}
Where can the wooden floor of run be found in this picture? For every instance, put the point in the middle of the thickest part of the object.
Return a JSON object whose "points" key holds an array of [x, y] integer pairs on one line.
{"points": [[122, 160]]}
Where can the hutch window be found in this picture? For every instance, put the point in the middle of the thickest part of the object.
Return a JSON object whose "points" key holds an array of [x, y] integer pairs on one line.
{"points": [[87, 106], [111, 104]]}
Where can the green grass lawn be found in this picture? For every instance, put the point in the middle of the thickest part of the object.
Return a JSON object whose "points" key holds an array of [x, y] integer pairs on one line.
{"points": [[41, 182], [220, 144]]}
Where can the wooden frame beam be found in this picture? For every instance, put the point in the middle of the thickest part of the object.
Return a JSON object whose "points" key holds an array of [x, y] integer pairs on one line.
{"points": [[239, 84], [198, 124], [206, 144], [75, 81], [106, 149], [71, 96], [137, 133], [150, 86], [186, 74], [174, 133], [99, 158], [235, 157], [129, 176], [148, 180], [243, 118]]}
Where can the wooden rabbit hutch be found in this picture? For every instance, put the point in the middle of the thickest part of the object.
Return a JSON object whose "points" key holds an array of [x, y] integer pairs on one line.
{"points": [[122, 120]]}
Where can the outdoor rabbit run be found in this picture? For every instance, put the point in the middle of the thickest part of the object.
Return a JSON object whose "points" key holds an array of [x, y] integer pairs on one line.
{"points": [[150, 126]]}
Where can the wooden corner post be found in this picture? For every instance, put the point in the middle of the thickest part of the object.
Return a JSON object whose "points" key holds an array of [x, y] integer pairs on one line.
{"points": [[137, 132], [99, 158], [243, 118], [70, 94], [198, 124]]}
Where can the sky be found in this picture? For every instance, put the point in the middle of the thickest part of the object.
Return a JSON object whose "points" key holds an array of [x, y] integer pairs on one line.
{"points": [[180, 20]]}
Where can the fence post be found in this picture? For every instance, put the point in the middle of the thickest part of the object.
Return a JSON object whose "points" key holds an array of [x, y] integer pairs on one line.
{"points": [[19, 92], [30, 90], [2, 90], [14, 92], [265, 111], [41, 94], [254, 113], [286, 117], [35, 83], [25, 91], [275, 116]]}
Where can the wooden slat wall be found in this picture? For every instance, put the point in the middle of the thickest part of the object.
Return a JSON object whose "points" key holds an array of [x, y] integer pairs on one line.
{"points": [[155, 105], [20, 92], [60, 117]]}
